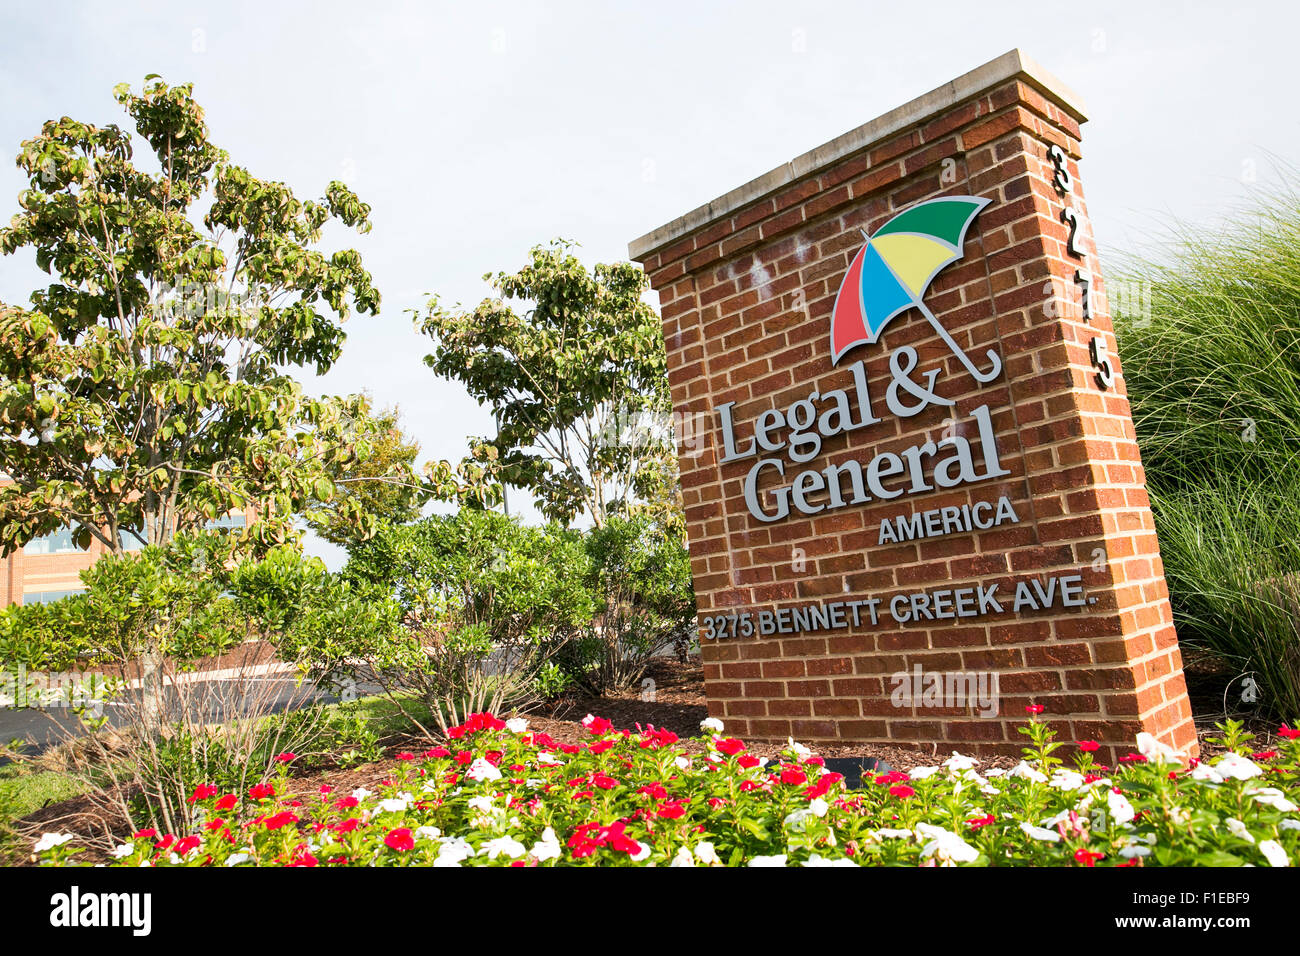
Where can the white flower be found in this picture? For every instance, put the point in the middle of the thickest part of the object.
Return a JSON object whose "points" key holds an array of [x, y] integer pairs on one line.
{"points": [[816, 860], [1274, 853], [920, 773], [122, 849], [1154, 750], [818, 807], [683, 763], [503, 846], [49, 841], [1121, 810], [1238, 829], [642, 852], [1272, 797], [453, 851], [683, 857], [802, 752], [1290, 824], [945, 845], [990, 790], [237, 858], [959, 762], [711, 725], [482, 804], [994, 772], [399, 804], [1063, 779], [797, 819], [1026, 772], [1237, 767], [1132, 850], [777, 860], [173, 859], [482, 769], [1205, 773], [517, 725], [549, 759], [706, 854], [427, 833], [548, 847], [893, 834], [1039, 833], [360, 794]]}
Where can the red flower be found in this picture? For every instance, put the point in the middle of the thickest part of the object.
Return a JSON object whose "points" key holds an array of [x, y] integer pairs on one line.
{"points": [[202, 792], [1089, 746], [400, 840], [1287, 733], [793, 775], [464, 758], [404, 756], [184, 846], [283, 818], [347, 826], [1033, 709], [1087, 857], [600, 746], [597, 725], [261, 791], [1264, 755], [894, 776], [748, 761], [347, 803], [655, 790], [437, 752], [604, 781], [286, 757], [729, 746], [145, 834], [976, 822], [671, 810], [1133, 758], [901, 790]]}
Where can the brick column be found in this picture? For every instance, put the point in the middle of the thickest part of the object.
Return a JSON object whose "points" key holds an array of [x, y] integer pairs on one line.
{"points": [[747, 285]]}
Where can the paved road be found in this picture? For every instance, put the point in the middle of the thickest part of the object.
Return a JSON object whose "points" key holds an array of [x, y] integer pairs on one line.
{"points": [[214, 697]]}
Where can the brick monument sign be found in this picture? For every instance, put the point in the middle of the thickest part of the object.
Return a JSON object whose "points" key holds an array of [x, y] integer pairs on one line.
{"points": [[912, 486]]}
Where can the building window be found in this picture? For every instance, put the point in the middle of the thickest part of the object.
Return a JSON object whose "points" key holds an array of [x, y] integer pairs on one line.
{"points": [[49, 597], [56, 542]]}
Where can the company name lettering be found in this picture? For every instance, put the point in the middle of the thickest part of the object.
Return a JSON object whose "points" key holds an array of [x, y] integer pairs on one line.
{"points": [[799, 431]]}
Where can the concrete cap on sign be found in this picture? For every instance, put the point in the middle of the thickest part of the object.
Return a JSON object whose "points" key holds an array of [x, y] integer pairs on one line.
{"points": [[1008, 66]]}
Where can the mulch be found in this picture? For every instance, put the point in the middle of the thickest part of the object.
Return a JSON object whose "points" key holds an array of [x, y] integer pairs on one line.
{"points": [[678, 705]]}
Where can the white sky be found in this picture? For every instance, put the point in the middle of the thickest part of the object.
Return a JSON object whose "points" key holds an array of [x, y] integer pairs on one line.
{"points": [[479, 130]]}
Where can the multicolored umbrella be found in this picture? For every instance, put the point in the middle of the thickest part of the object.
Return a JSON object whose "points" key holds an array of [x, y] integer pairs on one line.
{"points": [[891, 272]]}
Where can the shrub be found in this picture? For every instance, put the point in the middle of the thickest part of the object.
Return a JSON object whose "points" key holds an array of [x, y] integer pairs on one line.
{"points": [[485, 604], [498, 795], [640, 575], [1211, 356]]}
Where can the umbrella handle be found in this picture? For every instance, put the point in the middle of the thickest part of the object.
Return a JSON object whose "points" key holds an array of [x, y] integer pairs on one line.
{"points": [[981, 377]]}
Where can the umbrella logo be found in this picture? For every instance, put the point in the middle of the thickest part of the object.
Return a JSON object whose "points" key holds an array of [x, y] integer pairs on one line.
{"points": [[893, 269]]}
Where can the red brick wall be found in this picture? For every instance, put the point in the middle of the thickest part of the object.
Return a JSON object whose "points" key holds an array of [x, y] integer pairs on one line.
{"points": [[746, 303]]}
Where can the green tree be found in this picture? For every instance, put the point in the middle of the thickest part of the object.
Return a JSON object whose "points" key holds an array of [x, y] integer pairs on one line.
{"points": [[378, 481], [148, 390], [577, 382]]}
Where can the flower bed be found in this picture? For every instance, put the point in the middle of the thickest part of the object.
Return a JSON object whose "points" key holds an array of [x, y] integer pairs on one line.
{"points": [[499, 795]]}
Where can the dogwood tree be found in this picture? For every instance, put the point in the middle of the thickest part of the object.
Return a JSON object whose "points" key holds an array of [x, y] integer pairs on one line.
{"points": [[147, 389], [575, 373]]}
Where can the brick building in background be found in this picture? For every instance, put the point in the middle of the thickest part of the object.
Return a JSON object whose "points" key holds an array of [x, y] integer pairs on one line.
{"points": [[747, 286], [48, 567]]}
